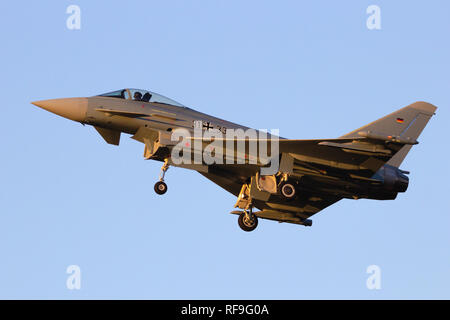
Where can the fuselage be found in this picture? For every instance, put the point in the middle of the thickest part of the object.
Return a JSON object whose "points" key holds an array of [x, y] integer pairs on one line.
{"points": [[122, 112]]}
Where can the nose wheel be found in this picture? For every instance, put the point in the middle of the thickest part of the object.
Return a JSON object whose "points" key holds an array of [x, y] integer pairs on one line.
{"points": [[161, 186]]}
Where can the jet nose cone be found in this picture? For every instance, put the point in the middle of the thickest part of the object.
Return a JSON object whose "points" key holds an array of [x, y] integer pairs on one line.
{"points": [[71, 108]]}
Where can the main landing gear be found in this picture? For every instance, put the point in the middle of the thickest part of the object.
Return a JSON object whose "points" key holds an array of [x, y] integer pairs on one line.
{"points": [[247, 220], [280, 185], [161, 186]]}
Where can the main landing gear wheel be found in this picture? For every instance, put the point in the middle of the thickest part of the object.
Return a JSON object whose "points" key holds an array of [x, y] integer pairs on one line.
{"points": [[287, 190], [246, 223], [160, 187]]}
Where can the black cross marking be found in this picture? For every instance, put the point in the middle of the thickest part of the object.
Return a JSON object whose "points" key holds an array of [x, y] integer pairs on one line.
{"points": [[207, 125]]}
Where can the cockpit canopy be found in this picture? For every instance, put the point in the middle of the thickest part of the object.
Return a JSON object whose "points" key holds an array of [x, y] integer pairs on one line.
{"points": [[141, 95]]}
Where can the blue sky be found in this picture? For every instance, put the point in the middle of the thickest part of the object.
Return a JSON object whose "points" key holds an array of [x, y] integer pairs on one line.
{"points": [[310, 68]]}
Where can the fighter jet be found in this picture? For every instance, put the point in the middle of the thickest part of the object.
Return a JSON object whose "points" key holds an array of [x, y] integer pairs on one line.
{"points": [[307, 175]]}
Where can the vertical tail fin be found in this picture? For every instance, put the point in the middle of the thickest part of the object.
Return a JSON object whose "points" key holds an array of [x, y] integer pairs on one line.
{"points": [[407, 123]]}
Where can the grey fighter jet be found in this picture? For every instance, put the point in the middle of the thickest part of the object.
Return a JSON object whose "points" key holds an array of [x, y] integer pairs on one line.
{"points": [[309, 175]]}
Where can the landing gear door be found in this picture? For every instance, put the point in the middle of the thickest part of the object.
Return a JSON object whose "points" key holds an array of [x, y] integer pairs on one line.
{"points": [[286, 163], [266, 183], [256, 193], [151, 139]]}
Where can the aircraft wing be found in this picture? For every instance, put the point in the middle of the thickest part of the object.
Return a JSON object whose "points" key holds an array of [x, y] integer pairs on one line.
{"points": [[332, 163]]}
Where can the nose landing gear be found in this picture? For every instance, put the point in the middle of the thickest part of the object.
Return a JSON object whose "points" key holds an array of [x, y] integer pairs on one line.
{"points": [[161, 186]]}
